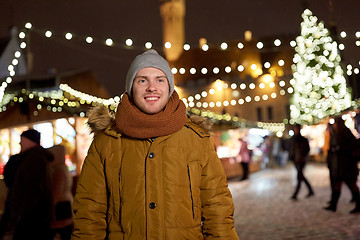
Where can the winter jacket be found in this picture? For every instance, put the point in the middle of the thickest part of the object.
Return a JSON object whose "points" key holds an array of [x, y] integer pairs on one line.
{"points": [[299, 149], [341, 161], [30, 199], [169, 187]]}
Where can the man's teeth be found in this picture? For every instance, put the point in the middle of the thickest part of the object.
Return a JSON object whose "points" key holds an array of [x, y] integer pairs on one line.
{"points": [[152, 98]]}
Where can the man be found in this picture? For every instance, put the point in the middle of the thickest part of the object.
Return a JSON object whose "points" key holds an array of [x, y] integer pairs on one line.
{"points": [[29, 203], [299, 151], [343, 164], [151, 173]]}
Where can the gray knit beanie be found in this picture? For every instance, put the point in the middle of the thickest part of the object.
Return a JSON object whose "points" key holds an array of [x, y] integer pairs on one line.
{"points": [[149, 58]]}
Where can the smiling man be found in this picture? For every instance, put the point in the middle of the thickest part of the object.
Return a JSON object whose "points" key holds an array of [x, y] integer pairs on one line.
{"points": [[151, 172], [151, 90]]}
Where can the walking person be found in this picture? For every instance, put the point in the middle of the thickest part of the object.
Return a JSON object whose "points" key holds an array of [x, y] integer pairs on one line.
{"points": [[61, 180], [244, 158], [30, 199], [151, 172], [299, 151], [331, 159], [343, 164]]}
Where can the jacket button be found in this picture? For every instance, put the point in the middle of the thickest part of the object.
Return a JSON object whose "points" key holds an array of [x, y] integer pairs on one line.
{"points": [[152, 139], [152, 205], [151, 155]]}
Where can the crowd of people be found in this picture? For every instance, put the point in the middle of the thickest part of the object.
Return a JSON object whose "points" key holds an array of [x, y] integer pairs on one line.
{"points": [[151, 172]]}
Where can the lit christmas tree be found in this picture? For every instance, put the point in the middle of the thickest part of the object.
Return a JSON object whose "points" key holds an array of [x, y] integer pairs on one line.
{"points": [[318, 79]]}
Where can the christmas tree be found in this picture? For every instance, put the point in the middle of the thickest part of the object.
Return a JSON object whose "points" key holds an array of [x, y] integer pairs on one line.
{"points": [[318, 78]]}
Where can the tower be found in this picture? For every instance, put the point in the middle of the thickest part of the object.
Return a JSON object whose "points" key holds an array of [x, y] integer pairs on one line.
{"points": [[172, 13]]}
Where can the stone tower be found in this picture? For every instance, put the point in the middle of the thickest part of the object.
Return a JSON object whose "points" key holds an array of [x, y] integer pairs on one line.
{"points": [[173, 14]]}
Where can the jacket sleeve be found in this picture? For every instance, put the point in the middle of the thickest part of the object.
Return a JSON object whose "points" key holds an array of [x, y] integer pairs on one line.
{"points": [[216, 200], [90, 202]]}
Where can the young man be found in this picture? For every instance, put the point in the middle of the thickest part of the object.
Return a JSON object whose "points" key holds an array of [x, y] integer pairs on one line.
{"points": [[151, 173]]}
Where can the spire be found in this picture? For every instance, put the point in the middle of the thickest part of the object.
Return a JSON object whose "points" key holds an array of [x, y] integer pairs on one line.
{"points": [[173, 13], [332, 22]]}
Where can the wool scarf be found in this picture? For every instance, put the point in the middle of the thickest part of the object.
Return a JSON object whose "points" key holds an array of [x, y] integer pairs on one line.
{"points": [[132, 122]]}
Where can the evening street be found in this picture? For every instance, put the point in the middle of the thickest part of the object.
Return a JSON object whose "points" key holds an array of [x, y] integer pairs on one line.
{"points": [[263, 209]]}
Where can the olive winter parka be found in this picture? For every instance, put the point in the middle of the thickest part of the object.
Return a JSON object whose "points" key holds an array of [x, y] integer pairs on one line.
{"points": [[170, 187]]}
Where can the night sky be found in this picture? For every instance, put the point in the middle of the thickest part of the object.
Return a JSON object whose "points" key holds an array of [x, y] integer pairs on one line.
{"points": [[218, 21]]}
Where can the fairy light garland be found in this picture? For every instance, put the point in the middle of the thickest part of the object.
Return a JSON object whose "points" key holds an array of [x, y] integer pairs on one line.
{"points": [[128, 43], [190, 100], [89, 99], [12, 72], [239, 122], [54, 99]]}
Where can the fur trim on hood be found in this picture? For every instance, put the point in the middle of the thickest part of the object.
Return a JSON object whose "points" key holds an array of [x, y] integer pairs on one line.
{"points": [[100, 118], [205, 123]]}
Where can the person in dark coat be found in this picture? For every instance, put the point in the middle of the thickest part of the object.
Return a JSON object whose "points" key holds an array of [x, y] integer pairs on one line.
{"points": [[29, 201], [9, 175], [299, 151], [330, 157], [343, 164]]}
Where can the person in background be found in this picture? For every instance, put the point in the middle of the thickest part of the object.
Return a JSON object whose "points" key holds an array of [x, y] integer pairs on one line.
{"points": [[331, 159], [343, 164], [151, 171], [299, 150], [29, 203], [9, 175], [62, 196], [243, 158]]}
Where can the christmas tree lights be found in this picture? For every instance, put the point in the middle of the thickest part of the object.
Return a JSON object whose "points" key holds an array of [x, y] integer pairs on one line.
{"points": [[318, 79]]}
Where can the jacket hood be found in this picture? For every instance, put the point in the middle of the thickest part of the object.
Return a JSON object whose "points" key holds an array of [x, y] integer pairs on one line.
{"points": [[101, 118], [205, 123]]}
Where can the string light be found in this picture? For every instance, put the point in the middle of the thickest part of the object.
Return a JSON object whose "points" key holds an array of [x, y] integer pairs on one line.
{"points": [[224, 46], [109, 42], [56, 99], [205, 47], [89, 39], [277, 42], [129, 42], [220, 86]]}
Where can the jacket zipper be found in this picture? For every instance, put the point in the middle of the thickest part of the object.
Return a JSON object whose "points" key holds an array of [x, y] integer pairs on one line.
{"points": [[191, 194], [119, 197]]}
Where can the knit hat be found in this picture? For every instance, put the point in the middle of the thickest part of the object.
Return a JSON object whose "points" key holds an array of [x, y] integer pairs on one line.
{"points": [[149, 58], [32, 135]]}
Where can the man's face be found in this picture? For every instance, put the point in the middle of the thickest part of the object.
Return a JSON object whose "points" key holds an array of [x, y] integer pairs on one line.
{"points": [[150, 90]]}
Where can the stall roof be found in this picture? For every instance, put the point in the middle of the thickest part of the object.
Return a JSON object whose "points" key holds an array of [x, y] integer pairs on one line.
{"points": [[31, 99]]}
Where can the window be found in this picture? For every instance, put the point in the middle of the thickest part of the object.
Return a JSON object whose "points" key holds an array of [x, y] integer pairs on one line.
{"points": [[259, 114], [270, 113]]}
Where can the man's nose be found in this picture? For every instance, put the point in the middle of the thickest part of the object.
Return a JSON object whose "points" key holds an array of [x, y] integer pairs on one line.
{"points": [[151, 86]]}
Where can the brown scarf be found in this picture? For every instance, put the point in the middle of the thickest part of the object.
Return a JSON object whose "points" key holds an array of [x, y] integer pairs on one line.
{"points": [[134, 123]]}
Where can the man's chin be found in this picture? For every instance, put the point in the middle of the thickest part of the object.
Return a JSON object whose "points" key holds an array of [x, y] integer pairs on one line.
{"points": [[151, 111]]}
